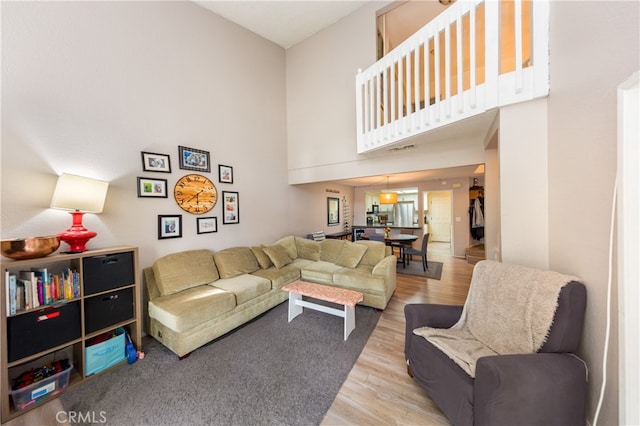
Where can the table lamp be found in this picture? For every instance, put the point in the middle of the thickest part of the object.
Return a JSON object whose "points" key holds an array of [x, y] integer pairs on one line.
{"points": [[80, 195]]}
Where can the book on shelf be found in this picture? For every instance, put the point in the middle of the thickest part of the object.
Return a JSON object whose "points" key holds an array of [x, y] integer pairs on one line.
{"points": [[42, 278], [31, 277], [12, 293], [27, 298]]}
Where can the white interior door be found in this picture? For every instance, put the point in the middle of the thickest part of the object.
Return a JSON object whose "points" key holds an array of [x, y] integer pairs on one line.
{"points": [[440, 216]]}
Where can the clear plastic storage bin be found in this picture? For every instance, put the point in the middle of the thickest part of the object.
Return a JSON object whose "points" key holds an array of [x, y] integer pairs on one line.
{"points": [[39, 391]]}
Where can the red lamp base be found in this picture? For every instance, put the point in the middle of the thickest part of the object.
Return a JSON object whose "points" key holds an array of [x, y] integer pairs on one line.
{"points": [[77, 236]]}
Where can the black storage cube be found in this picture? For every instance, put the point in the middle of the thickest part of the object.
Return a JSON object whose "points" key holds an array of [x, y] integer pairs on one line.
{"points": [[102, 273], [43, 329], [108, 309]]}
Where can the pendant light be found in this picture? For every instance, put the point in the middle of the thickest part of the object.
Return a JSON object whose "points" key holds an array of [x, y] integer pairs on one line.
{"points": [[387, 197]]}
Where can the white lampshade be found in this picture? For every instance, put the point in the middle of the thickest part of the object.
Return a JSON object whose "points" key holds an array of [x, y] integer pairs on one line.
{"points": [[79, 193]]}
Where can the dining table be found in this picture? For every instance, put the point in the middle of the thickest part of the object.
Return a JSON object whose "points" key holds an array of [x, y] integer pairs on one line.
{"points": [[401, 241]]}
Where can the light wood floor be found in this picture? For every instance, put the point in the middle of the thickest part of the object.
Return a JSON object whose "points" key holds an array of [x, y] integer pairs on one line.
{"points": [[378, 390]]}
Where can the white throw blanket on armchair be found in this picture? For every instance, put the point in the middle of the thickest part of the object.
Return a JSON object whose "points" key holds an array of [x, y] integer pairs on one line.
{"points": [[509, 310]]}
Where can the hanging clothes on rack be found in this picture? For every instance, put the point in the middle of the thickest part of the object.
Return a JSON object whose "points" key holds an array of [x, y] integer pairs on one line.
{"points": [[476, 216]]}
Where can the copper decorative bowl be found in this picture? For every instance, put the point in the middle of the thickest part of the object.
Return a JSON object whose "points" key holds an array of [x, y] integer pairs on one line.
{"points": [[29, 248]]}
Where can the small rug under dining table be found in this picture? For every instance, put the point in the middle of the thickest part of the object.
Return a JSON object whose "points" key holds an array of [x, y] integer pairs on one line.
{"points": [[415, 268]]}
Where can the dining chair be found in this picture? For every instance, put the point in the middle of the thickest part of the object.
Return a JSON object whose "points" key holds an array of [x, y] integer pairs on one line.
{"points": [[409, 252]]}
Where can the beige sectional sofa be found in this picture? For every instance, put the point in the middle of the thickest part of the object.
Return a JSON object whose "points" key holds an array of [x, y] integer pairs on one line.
{"points": [[195, 296]]}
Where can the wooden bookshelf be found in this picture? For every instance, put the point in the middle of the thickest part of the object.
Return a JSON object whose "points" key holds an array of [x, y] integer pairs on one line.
{"points": [[106, 276]]}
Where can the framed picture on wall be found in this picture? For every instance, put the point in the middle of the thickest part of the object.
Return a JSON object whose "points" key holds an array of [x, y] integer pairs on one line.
{"points": [[169, 226], [230, 207], [225, 173], [152, 162], [333, 211], [206, 225], [152, 188], [194, 159]]}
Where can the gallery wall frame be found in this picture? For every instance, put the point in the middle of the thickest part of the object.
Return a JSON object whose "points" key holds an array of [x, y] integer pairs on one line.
{"points": [[206, 225], [169, 226], [225, 174], [152, 187], [230, 207], [154, 162], [194, 159]]}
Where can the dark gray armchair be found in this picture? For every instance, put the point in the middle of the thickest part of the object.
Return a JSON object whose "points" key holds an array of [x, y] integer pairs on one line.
{"points": [[547, 387]]}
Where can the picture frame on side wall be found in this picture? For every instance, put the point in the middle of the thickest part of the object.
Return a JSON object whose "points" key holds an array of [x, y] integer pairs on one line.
{"points": [[153, 162], [230, 207], [194, 159], [225, 173], [333, 211], [206, 225], [152, 188], [169, 226]]}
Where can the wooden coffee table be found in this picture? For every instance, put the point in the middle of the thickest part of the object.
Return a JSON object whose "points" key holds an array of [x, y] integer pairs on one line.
{"points": [[340, 296]]}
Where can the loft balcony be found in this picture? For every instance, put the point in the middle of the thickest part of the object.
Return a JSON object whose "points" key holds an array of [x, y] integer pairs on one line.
{"points": [[476, 56]]}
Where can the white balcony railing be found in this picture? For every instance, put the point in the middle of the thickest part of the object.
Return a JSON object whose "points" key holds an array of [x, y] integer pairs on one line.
{"points": [[475, 56]]}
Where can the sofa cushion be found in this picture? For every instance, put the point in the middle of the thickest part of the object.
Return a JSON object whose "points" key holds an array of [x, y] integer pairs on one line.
{"points": [[191, 307], [235, 261], [245, 287], [301, 263], [360, 279], [278, 255], [261, 256], [289, 243], [179, 271], [307, 249], [351, 255], [376, 251], [319, 272], [279, 277], [330, 249]]}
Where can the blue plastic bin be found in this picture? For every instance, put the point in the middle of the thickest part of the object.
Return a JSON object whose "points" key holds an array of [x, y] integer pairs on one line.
{"points": [[105, 354]]}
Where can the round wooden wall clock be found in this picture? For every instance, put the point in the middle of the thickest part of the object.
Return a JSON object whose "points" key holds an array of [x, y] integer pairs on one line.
{"points": [[195, 193]]}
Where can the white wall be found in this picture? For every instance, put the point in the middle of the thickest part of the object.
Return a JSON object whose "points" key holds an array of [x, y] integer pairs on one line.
{"points": [[594, 47], [524, 205], [311, 202], [87, 86]]}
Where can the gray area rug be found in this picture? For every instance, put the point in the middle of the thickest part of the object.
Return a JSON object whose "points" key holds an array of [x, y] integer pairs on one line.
{"points": [[268, 372], [415, 268]]}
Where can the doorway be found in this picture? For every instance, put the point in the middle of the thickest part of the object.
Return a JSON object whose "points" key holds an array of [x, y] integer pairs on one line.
{"points": [[437, 216]]}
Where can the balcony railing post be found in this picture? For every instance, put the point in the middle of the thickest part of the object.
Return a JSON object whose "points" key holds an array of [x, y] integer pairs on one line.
{"points": [[492, 53], [540, 51]]}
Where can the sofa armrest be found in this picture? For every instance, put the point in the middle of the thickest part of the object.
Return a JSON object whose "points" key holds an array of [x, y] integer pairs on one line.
{"points": [[150, 283], [431, 315], [535, 389], [149, 292], [385, 267]]}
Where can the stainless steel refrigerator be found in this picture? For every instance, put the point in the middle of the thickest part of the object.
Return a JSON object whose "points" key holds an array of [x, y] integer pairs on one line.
{"points": [[403, 214]]}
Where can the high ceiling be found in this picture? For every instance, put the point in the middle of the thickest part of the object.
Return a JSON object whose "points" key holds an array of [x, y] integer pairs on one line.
{"points": [[283, 22]]}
